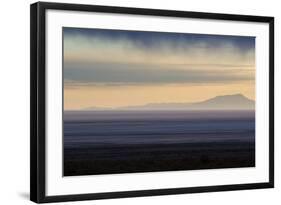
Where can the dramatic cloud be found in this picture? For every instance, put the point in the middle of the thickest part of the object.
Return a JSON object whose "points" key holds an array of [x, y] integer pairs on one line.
{"points": [[94, 45], [124, 68]]}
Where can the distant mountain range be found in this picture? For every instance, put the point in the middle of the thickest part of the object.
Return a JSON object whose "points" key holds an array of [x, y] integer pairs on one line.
{"points": [[225, 102]]}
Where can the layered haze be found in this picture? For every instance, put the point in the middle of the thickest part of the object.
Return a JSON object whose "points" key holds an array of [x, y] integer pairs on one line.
{"points": [[137, 101], [114, 68]]}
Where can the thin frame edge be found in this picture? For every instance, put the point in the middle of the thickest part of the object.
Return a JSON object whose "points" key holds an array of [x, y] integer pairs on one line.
{"points": [[33, 104], [271, 101]]}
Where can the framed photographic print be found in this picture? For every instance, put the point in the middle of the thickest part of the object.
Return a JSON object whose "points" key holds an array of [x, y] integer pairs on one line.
{"points": [[129, 102]]}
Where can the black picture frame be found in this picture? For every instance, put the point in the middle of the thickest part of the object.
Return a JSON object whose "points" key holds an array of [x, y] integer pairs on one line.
{"points": [[38, 101]]}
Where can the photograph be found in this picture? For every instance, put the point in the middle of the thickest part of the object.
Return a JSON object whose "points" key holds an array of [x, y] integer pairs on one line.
{"points": [[152, 101], [136, 102]]}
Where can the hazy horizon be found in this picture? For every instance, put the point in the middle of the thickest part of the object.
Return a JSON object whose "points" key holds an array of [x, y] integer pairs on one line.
{"points": [[116, 68], [223, 103]]}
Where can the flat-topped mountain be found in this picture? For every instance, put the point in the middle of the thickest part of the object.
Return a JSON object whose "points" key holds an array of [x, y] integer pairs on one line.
{"points": [[237, 101], [224, 102]]}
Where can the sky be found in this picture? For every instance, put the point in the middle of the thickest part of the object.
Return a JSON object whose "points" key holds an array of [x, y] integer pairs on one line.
{"points": [[118, 68]]}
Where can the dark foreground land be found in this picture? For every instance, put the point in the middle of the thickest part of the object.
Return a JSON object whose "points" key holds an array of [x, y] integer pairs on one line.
{"points": [[147, 158], [108, 143]]}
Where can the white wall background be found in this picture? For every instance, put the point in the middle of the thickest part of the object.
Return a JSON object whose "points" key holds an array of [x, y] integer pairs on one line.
{"points": [[14, 101]]}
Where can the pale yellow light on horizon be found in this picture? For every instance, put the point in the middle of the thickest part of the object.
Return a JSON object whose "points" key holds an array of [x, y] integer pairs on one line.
{"points": [[82, 97]]}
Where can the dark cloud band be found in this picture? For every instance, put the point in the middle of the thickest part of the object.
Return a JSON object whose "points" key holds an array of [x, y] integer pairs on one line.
{"points": [[152, 40]]}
